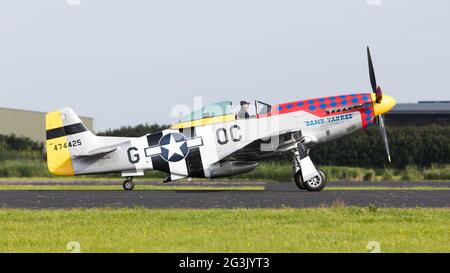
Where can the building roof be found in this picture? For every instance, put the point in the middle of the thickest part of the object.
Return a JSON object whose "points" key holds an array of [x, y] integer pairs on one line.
{"points": [[37, 112], [29, 123], [422, 107]]}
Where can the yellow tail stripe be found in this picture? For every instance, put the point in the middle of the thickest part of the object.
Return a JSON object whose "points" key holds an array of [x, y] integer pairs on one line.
{"points": [[53, 120], [59, 161]]}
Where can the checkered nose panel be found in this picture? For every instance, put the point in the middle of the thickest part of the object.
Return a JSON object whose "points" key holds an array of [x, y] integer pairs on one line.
{"points": [[319, 106]]}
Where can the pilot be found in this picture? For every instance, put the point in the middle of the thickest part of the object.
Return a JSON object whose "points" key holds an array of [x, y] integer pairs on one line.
{"points": [[243, 113]]}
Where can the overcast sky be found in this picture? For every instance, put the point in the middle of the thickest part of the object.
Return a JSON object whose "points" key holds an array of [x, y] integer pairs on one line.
{"points": [[129, 61]]}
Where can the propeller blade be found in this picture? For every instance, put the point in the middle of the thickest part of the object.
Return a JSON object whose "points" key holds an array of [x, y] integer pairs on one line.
{"points": [[379, 96], [384, 136], [373, 80]]}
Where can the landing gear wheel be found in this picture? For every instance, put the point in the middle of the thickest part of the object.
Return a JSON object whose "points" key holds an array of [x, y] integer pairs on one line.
{"points": [[316, 183], [128, 185], [299, 180]]}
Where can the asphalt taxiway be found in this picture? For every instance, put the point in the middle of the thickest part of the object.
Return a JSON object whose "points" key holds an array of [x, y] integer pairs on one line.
{"points": [[275, 195]]}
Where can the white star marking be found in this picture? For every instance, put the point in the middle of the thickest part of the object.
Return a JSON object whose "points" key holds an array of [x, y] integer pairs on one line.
{"points": [[174, 147]]}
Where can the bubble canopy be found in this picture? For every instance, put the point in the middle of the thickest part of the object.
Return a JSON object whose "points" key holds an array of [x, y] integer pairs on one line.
{"points": [[221, 108]]}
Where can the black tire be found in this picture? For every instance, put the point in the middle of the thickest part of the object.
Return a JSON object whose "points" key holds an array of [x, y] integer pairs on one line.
{"points": [[128, 185], [316, 183], [299, 180]]}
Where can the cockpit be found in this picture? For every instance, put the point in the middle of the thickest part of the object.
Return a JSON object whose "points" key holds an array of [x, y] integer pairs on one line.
{"points": [[222, 111]]}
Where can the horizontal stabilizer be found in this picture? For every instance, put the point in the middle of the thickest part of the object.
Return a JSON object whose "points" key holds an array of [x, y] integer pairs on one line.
{"points": [[97, 152]]}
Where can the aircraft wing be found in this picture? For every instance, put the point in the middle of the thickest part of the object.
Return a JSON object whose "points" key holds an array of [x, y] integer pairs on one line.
{"points": [[264, 148]]}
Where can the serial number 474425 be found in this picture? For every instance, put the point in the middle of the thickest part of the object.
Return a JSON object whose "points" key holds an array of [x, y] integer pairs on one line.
{"points": [[65, 145]]}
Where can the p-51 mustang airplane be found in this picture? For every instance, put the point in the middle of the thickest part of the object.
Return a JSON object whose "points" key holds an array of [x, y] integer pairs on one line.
{"points": [[215, 142]]}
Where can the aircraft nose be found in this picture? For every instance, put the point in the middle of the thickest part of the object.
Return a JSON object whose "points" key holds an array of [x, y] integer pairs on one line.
{"points": [[386, 104]]}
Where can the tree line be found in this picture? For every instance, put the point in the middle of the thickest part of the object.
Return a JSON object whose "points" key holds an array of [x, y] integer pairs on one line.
{"points": [[15, 147], [421, 146], [134, 131]]}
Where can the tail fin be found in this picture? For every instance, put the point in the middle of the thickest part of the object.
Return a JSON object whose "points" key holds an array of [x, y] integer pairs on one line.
{"points": [[66, 136]]}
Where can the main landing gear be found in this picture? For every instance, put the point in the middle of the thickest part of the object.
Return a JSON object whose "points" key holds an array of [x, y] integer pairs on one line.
{"points": [[306, 175], [128, 184], [316, 183]]}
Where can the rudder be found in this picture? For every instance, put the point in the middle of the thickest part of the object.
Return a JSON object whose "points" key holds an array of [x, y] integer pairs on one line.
{"points": [[61, 126]]}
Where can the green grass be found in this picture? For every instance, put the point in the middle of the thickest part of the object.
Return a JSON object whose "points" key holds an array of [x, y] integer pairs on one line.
{"points": [[23, 168], [376, 188], [60, 187], [283, 172], [83, 178], [268, 171], [337, 229], [119, 187]]}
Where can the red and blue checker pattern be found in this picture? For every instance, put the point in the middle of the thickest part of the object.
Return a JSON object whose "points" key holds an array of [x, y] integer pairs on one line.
{"points": [[319, 107]]}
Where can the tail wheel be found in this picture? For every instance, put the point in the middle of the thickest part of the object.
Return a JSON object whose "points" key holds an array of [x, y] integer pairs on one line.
{"points": [[128, 185], [316, 183], [299, 180]]}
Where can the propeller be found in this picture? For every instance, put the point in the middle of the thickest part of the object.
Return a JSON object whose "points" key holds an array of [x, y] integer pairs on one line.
{"points": [[379, 97]]}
